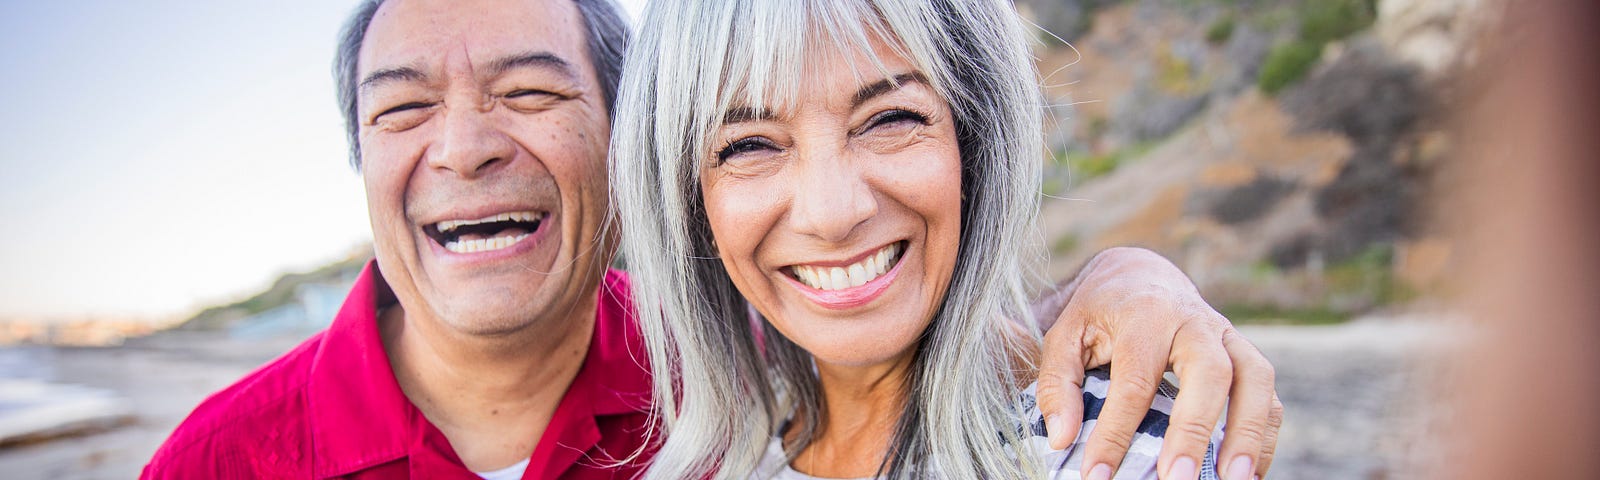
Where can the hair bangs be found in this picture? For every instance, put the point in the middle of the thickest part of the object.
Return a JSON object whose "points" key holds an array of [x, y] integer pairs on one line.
{"points": [[770, 55]]}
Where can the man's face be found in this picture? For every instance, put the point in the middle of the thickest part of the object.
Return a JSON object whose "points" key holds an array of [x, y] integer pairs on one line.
{"points": [[483, 135]]}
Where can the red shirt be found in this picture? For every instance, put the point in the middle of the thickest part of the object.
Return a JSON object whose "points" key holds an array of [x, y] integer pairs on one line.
{"points": [[331, 408]]}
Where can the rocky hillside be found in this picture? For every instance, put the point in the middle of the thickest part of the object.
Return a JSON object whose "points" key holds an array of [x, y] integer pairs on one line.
{"points": [[1281, 151]]}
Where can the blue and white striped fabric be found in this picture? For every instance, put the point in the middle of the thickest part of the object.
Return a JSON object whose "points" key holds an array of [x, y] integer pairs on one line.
{"points": [[1140, 463]]}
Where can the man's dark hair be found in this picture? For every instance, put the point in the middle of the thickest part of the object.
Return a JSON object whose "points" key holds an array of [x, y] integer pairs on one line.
{"points": [[602, 20]]}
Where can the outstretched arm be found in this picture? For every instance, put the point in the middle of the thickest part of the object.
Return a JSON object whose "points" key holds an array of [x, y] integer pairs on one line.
{"points": [[1133, 309]]}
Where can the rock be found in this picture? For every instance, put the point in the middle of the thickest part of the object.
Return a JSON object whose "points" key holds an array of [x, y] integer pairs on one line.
{"points": [[1249, 201], [1065, 19], [1376, 101], [1433, 35], [1148, 113]]}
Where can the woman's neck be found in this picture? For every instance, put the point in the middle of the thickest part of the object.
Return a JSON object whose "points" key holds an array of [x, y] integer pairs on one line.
{"points": [[863, 405]]}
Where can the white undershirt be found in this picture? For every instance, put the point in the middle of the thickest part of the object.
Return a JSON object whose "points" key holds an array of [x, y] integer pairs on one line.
{"points": [[513, 472]]}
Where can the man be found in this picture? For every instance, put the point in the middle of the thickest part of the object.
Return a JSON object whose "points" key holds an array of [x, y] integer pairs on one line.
{"points": [[488, 339]]}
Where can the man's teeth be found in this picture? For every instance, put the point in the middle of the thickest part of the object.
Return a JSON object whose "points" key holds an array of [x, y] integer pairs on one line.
{"points": [[855, 275], [483, 244], [450, 225]]}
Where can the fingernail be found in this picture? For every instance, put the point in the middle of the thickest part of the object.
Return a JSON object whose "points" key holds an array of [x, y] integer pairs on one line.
{"points": [[1100, 472], [1056, 430], [1241, 468], [1182, 469]]}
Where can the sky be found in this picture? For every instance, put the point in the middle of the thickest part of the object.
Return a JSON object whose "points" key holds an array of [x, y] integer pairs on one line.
{"points": [[162, 156]]}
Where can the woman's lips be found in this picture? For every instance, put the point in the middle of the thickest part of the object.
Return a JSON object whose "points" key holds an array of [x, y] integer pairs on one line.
{"points": [[849, 286]]}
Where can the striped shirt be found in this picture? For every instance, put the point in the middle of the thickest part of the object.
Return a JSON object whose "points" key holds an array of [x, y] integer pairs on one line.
{"points": [[1140, 463]]}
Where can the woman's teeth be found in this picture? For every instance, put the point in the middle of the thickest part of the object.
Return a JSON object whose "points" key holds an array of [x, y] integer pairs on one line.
{"points": [[854, 275], [484, 244]]}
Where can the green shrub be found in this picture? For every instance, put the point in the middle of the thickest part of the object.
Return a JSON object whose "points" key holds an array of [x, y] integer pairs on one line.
{"points": [[1064, 244], [1087, 166], [1175, 75], [1323, 21], [1271, 315], [1287, 64], [1220, 31]]}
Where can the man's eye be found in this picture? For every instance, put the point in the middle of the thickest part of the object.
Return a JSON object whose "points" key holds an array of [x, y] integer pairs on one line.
{"points": [[527, 93], [401, 108], [744, 145]]}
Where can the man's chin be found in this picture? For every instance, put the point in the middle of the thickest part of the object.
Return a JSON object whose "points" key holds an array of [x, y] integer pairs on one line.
{"points": [[493, 322]]}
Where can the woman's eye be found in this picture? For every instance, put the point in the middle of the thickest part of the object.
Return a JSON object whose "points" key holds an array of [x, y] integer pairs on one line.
{"points": [[892, 117], [744, 145]]}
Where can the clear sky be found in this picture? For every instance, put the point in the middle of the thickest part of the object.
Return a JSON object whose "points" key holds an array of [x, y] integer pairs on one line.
{"points": [[160, 156]]}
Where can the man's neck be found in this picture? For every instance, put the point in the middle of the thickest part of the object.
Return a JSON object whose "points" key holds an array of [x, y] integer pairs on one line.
{"points": [[491, 396]]}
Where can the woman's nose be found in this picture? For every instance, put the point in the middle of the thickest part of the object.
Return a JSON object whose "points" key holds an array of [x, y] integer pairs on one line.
{"points": [[832, 197]]}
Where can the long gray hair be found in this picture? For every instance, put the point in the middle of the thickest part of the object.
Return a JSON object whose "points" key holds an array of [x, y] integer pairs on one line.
{"points": [[726, 380]]}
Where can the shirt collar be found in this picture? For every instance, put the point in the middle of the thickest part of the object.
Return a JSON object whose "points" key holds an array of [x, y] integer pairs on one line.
{"points": [[360, 418], [617, 368]]}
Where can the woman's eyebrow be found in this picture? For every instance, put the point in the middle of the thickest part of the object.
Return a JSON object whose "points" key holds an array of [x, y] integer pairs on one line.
{"points": [[746, 114], [886, 85]]}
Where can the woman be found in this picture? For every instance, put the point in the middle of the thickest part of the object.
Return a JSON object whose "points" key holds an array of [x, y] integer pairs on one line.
{"points": [[865, 176]]}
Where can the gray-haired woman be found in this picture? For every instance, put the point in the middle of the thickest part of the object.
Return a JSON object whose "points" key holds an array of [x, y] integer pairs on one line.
{"points": [[865, 176]]}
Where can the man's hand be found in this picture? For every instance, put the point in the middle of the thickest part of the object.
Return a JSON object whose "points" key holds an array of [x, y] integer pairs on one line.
{"points": [[1133, 306]]}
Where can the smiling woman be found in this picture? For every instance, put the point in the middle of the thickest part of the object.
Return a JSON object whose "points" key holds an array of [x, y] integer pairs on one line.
{"points": [[865, 179]]}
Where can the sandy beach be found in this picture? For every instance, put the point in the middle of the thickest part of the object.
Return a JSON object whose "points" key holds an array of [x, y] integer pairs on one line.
{"points": [[1340, 384], [162, 377]]}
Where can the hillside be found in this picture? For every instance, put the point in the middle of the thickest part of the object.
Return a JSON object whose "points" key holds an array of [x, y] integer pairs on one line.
{"points": [[284, 291], [1280, 151]]}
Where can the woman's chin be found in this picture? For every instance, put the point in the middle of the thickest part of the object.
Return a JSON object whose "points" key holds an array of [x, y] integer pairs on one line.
{"points": [[860, 345]]}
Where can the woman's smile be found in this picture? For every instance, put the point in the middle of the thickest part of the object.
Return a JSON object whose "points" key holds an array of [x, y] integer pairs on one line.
{"points": [[848, 284]]}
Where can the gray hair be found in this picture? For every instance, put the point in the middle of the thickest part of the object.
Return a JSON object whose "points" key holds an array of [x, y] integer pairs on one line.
{"points": [[725, 380], [602, 21]]}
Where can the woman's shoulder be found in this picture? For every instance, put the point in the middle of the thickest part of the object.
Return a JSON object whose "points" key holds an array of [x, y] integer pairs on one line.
{"points": [[1140, 461]]}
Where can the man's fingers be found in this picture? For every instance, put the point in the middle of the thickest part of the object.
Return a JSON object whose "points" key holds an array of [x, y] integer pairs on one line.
{"points": [[1250, 431], [1061, 402], [1270, 446], [1205, 376], [1135, 374], [1060, 389]]}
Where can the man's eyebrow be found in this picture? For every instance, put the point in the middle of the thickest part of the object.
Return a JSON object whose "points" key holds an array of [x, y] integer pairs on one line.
{"points": [[395, 74], [531, 59], [886, 85]]}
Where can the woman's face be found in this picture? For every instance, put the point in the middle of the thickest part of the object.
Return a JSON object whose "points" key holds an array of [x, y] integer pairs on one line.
{"points": [[840, 218]]}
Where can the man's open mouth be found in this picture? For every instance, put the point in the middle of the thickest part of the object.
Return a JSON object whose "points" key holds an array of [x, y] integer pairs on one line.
{"points": [[485, 234]]}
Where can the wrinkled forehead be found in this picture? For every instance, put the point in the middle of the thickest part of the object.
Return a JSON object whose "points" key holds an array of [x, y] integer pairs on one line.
{"points": [[431, 35]]}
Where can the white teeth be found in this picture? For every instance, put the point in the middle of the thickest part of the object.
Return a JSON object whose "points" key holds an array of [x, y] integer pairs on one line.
{"points": [[483, 244], [449, 225], [858, 274], [837, 279]]}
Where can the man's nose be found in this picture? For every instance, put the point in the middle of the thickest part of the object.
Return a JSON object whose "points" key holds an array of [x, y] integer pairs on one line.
{"points": [[471, 143], [832, 196]]}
